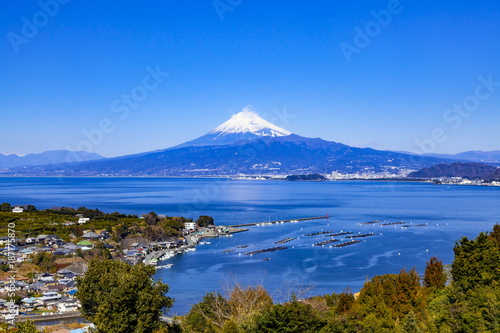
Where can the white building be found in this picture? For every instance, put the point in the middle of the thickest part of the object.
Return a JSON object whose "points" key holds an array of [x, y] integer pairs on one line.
{"points": [[190, 225], [83, 220], [18, 209]]}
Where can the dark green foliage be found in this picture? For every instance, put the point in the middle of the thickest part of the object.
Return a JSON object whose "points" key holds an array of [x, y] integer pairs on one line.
{"points": [[345, 302], [495, 235], [399, 293], [289, 318], [309, 177], [476, 310], [30, 208], [45, 260], [119, 298], [409, 324], [434, 276], [26, 327], [205, 221], [472, 302], [94, 214], [5, 207], [331, 300], [476, 263]]}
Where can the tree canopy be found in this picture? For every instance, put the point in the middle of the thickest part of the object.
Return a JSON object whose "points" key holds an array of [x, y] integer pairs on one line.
{"points": [[119, 298], [205, 221]]}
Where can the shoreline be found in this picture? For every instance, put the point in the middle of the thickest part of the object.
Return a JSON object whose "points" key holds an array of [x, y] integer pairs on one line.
{"points": [[232, 178]]}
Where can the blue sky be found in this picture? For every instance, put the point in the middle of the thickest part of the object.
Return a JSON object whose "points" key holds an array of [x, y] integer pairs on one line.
{"points": [[382, 74]]}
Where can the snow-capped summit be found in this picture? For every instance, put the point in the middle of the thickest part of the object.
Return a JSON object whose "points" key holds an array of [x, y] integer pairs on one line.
{"points": [[247, 121], [244, 125]]}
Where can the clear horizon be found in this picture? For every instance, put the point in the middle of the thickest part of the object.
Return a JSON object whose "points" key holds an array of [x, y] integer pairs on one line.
{"points": [[389, 75]]}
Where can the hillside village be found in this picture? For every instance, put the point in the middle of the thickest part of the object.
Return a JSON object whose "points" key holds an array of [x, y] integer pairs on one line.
{"points": [[46, 251]]}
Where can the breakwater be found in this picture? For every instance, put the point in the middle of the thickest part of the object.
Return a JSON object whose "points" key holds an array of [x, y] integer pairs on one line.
{"points": [[278, 221]]}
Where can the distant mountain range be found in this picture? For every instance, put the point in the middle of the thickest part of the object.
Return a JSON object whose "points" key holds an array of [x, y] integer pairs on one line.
{"points": [[457, 169], [490, 157], [48, 157], [245, 144]]}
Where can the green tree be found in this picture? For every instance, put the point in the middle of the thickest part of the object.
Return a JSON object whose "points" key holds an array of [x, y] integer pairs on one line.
{"points": [[345, 302], [26, 327], [119, 298], [409, 324], [205, 221], [45, 260], [289, 318], [476, 263], [388, 298], [30, 208], [495, 235], [434, 276], [5, 207]]}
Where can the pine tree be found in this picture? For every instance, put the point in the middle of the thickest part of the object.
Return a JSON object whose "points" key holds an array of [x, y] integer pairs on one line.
{"points": [[434, 276]]}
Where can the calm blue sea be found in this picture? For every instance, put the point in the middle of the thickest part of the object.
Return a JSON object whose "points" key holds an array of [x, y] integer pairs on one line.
{"points": [[450, 212]]}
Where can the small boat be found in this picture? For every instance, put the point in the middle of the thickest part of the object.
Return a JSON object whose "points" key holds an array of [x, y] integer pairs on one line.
{"points": [[266, 259]]}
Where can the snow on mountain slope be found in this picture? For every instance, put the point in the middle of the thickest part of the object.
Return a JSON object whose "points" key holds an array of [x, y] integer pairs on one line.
{"points": [[245, 125], [248, 121]]}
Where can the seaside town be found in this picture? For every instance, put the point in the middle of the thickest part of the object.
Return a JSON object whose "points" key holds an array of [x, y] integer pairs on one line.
{"points": [[39, 271]]}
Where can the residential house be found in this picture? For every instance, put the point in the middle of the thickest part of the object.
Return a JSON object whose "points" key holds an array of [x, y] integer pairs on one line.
{"points": [[66, 304], [18, 209], [83, 220], [46, 277], [90, 235], [190, 226]]}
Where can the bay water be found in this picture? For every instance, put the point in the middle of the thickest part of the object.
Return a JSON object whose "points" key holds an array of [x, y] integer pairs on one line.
{"points": [[437, 215]]}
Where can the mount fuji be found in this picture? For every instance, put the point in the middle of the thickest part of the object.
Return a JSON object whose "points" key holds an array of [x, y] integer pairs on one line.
{"points": [[243, 126], [245, 144]]}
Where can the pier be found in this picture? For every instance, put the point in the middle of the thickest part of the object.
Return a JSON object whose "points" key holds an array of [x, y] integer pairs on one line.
{"points": [[279, 221]]}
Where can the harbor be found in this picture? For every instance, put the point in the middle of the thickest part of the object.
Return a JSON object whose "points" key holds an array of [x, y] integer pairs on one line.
{"points": [[279, 221]]}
